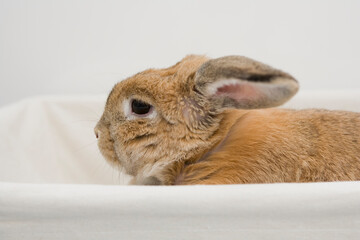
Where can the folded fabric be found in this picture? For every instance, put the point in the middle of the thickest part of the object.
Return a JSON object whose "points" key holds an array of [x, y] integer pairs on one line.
{"points": [[54, 184]]}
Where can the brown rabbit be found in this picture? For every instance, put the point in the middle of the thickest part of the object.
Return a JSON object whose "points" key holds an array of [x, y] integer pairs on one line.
{"points": [[204, 121]]}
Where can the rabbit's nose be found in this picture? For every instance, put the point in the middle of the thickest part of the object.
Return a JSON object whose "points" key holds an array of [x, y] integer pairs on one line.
{"points": [[97, 132]]}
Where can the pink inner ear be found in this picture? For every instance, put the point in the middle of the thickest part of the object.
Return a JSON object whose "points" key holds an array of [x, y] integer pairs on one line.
{"points": [[239, 91]]}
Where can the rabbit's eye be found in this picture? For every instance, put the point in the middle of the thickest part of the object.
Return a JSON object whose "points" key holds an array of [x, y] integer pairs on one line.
{"points": [[140, 107]]}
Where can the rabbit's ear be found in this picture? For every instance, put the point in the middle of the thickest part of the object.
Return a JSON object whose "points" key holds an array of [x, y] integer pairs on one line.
{"points": [[240, 82]]}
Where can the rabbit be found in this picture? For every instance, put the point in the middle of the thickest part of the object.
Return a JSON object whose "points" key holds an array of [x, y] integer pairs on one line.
{"points": [[213, 121]]}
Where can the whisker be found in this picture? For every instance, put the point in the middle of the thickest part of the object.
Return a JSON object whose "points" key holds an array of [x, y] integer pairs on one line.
{"points": [[93, 112], [75, 124], [102, 166], [85, 146], [85, 120]]}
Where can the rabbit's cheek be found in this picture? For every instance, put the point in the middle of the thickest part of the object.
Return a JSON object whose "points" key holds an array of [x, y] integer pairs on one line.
{"points": [[124, 158], [133, 156], [106, 146]]}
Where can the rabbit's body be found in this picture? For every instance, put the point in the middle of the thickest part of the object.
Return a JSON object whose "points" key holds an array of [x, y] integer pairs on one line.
{"points": [[207, 121], [278, 145]]}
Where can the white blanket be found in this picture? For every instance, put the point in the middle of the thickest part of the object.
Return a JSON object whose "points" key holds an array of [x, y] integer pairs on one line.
{"points": [[54, 184]]}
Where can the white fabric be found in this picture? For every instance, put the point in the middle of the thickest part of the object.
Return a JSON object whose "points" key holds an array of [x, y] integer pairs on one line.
{"points": [[276, 211], [54, 184], [51, 140]]}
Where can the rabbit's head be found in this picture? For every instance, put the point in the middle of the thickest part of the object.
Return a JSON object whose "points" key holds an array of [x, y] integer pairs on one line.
{"points": [[161, 116]]}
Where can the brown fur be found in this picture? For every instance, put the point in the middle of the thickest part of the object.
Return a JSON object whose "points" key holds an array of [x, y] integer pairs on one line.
{"points": [[196, 138]]}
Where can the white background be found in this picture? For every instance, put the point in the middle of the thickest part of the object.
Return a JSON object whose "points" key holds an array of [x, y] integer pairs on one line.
{"points": [[85, 47]]}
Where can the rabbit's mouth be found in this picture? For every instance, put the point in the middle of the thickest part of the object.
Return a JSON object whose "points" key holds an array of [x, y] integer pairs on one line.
{"points": [[107, 148]]}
